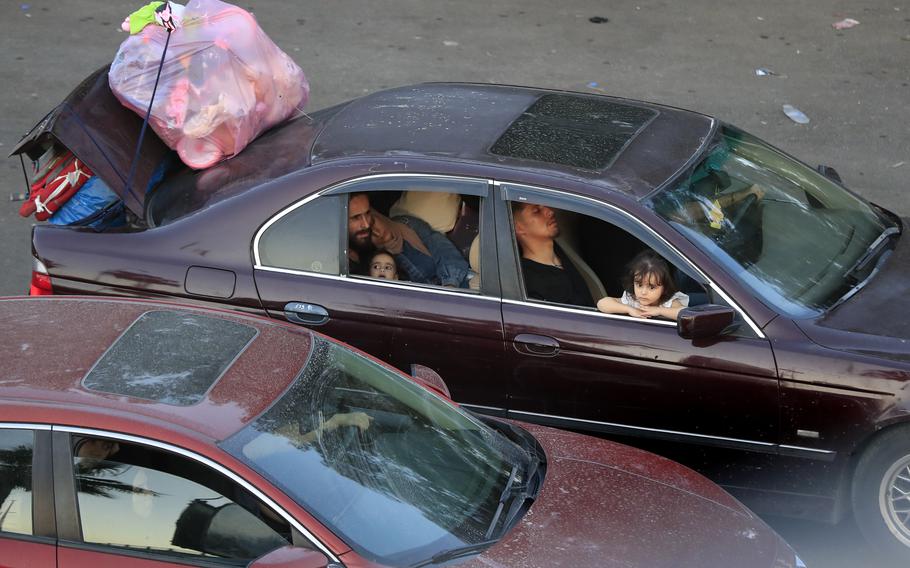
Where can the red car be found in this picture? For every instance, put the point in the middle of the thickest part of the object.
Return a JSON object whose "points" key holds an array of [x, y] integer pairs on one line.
{"points": [[785, 380], [137, 434]]}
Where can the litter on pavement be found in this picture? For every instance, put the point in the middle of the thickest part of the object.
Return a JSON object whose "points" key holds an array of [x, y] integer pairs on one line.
{"points": [[844, 24], [795, 114]]}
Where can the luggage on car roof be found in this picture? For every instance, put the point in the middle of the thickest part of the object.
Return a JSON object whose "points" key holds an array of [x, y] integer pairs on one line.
{"points": [[218, 81]]}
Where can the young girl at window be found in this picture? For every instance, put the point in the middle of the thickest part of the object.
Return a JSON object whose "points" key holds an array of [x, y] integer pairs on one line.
{"points": [[382, 265], [649, 290]]}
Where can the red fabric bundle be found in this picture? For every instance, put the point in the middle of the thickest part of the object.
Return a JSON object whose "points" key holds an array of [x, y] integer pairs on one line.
{"points": [[48, 193]]}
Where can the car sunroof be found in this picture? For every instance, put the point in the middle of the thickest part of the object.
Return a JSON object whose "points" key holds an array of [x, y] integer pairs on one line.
{"points": [[170, 357], [572, 130]]}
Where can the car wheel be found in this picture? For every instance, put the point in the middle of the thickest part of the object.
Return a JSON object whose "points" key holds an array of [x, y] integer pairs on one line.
{"points": [[881, 492]]}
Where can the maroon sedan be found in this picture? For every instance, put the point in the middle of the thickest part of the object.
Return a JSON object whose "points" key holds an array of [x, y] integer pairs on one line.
{"points": [[137, 434], [784, 380]]}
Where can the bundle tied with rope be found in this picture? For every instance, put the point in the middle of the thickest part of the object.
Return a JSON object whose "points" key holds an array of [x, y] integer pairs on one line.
{"points": [[207, 78]]}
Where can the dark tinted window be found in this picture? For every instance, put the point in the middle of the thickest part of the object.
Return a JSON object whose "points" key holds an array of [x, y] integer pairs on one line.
{"points": [[307, 238], [140, 498], [16, 481], [170, 357], [583, 132], [278, 152]]}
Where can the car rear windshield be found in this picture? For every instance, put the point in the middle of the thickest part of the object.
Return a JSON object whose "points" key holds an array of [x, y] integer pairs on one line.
{"points": [[401, 475], [170, 357], [583, 132], [282, 150]]}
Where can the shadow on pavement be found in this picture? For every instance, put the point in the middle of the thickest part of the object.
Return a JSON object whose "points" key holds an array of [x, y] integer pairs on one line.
{"points": [[822, 545]]}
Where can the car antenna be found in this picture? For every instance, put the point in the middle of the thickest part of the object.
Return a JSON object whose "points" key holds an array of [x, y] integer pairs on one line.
{"points": [[165, 17]]}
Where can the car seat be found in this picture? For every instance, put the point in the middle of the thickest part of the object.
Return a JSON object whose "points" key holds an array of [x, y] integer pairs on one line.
{"points": [[568, 242], [454, 215], [689, 286], [474, 261], [467, 226]]}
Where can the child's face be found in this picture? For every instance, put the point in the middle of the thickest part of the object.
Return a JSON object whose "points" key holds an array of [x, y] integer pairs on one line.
{"points": [[648, 289], [383, 266]]}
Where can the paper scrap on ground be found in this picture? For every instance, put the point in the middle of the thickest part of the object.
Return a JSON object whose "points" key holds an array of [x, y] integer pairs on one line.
{"points": [[795, 114], [845, 24]]}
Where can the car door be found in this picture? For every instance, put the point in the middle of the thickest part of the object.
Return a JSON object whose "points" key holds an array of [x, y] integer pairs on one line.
{"points": [[578, 368], [303, 274], [124, 503], [27, 538]]}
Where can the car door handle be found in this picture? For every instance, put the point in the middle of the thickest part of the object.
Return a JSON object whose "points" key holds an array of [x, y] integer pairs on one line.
{"points": [[305, 314], [540, 345]]}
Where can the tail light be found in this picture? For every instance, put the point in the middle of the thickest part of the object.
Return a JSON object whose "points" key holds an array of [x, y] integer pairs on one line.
{"points": [[41, 280]]}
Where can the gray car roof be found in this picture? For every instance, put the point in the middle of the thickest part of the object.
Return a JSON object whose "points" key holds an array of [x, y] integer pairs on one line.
{"points": [[464, 122], [456, 122]]}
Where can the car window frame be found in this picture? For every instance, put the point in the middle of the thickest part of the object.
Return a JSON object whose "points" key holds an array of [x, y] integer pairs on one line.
{"points": [[513, 287], [44, 530], [69, 529], [490, 277], [257, 238]]}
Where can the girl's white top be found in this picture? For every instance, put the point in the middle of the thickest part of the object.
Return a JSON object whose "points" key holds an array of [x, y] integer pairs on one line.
{"points": [[629, 300]]}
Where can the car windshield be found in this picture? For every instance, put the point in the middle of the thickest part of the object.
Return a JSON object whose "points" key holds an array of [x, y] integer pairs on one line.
{"points": [[799, 240], [401, 475]]}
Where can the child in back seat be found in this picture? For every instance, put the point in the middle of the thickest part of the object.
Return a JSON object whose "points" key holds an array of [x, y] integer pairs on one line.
{"points": [[382, 265]]}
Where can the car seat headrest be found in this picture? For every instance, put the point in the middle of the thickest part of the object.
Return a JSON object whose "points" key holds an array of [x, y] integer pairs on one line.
{"points": [[714, 182]]}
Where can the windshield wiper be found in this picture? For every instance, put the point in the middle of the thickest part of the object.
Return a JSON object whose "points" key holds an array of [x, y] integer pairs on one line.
{"points": [[510, 490], [507, 492], [453, 553], [861, 284], [873, 249]]}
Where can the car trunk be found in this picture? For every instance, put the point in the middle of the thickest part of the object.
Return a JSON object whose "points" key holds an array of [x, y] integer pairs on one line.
{"points": [[102, 133]]}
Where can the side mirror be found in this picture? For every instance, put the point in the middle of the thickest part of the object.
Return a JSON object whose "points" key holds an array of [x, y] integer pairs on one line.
{"points": [[430, 379], [292, 557], [830, 173], [703, 321]]}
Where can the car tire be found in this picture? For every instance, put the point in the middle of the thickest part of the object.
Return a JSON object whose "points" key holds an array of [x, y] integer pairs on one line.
{"points": [[881, 493]]}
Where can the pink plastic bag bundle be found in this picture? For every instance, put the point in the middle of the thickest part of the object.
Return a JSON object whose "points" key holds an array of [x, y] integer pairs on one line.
{"points": [[223, 82]]}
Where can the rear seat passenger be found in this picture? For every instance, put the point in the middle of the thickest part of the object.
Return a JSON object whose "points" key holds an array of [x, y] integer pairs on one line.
{"points": [[446, 213]]}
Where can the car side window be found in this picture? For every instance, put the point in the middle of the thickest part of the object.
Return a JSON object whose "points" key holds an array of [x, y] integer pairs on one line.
{"points": [[423, 232], [16, 449], [305, 238], [576, 259], [139, 498]]}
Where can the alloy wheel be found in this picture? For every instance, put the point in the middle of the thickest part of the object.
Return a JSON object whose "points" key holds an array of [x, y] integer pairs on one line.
{"points": [[894, 499]]}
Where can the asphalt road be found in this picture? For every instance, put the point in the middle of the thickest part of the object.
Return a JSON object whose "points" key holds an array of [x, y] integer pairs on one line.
{"points": [[853, 84]]}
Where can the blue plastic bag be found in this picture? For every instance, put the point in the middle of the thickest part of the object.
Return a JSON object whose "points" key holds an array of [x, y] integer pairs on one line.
{"points": [[92, 198]]}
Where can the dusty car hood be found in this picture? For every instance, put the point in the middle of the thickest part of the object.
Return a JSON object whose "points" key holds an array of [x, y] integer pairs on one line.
{"points": [[880, 309], [605, 505]]}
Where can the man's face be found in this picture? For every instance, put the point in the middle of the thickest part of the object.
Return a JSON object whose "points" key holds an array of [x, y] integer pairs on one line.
{"points": [[95, 450], [360, 221], [536, 222]]}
